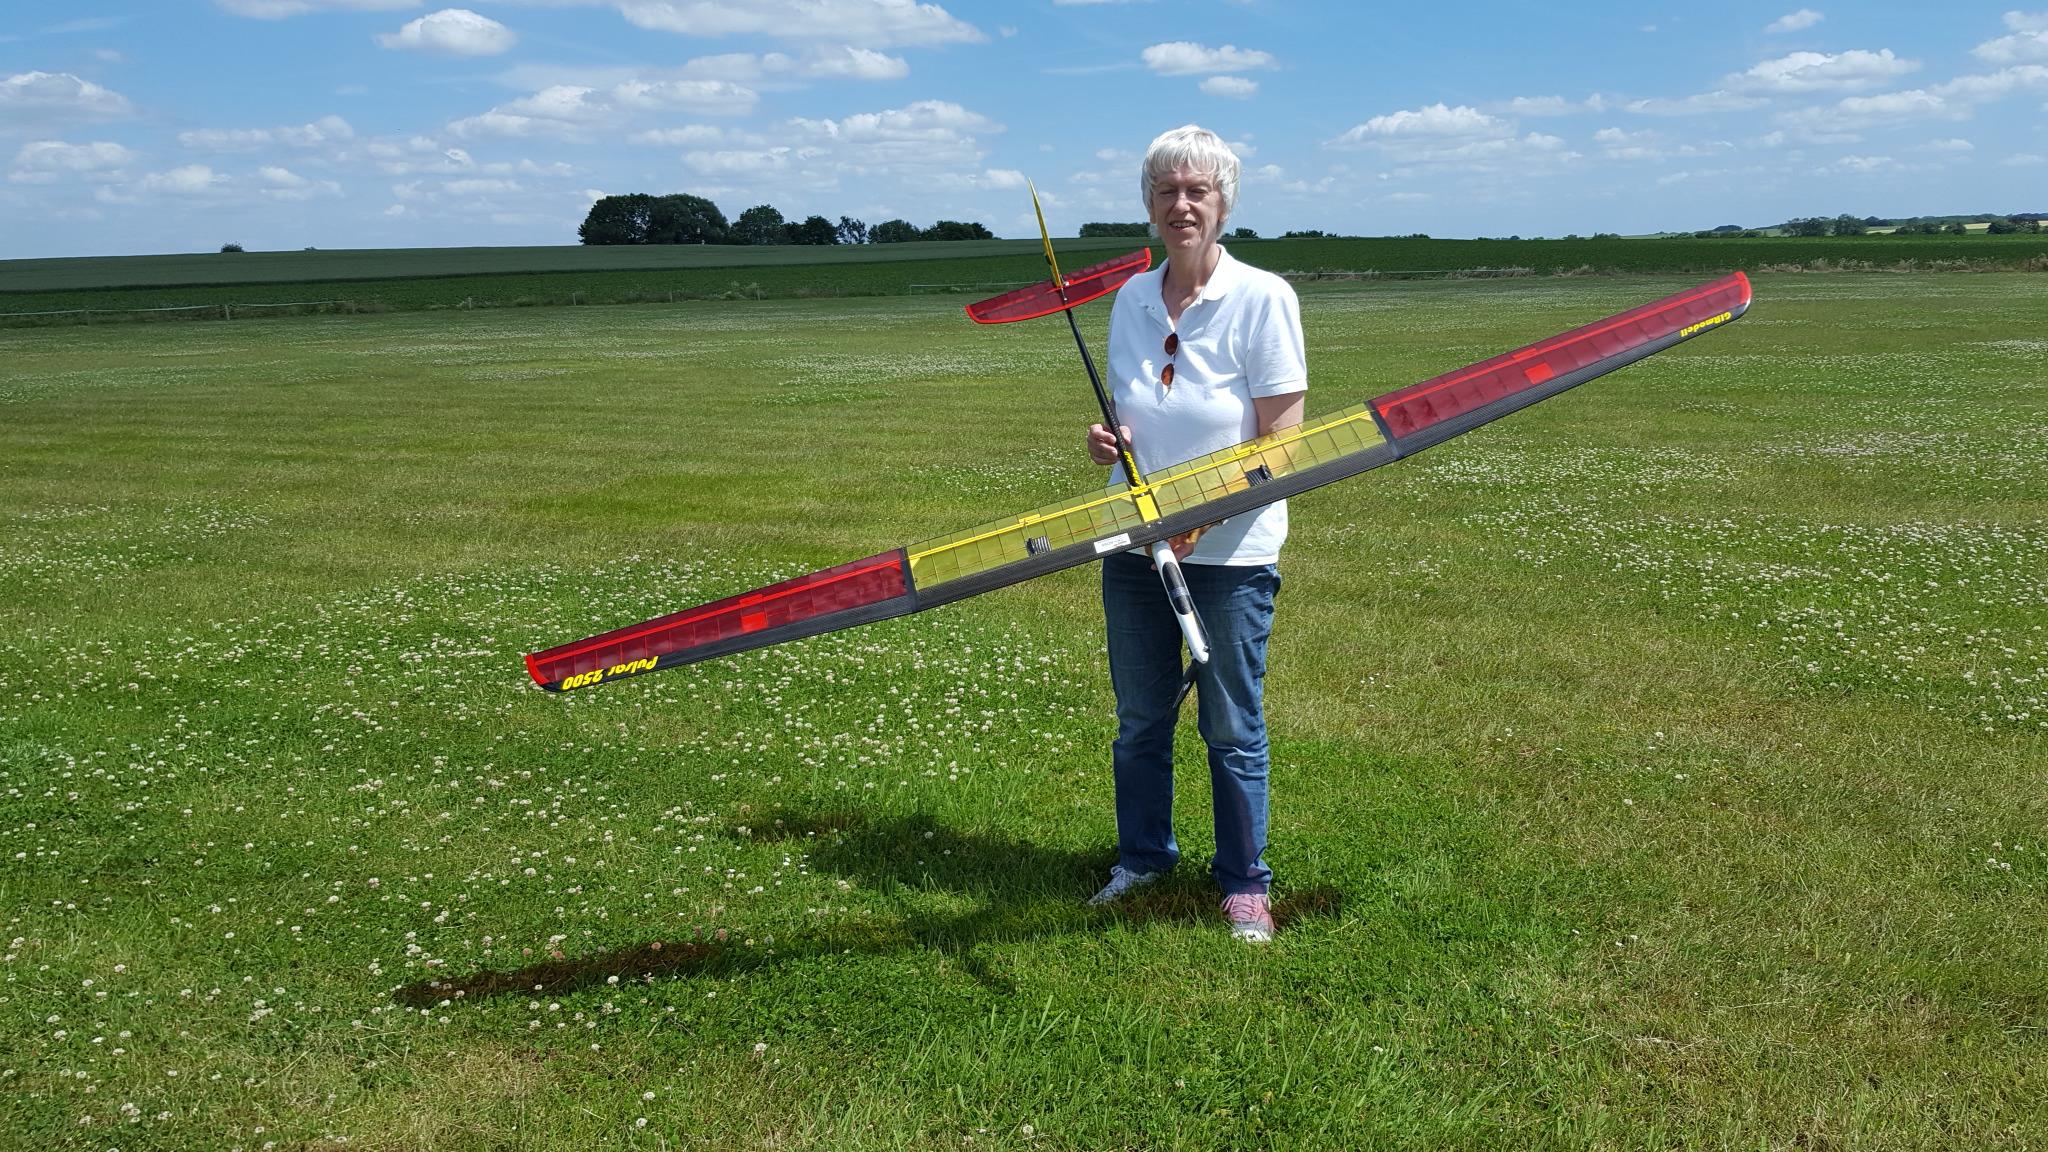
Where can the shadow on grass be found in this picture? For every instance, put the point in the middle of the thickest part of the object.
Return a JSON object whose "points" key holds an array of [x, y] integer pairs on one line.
{"points": [[1023, 892]]}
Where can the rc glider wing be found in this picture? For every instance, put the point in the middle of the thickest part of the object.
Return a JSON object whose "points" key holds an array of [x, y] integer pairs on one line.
{"points": [[1160, 505]]}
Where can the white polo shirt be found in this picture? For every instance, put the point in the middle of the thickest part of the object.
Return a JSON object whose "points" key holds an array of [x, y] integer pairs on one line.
{"points": [[1240, 339]]}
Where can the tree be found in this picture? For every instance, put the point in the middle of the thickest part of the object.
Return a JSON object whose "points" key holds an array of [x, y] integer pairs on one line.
{"points": [[814, 230], [1243, 234], [617, 220], [1807, 226], [231, 246], [1954, 228], [684, 219], [852, 231], [761, 224], [1847, 225], [2002, 228], [955, 230], [1100, 229], [894, 232]]}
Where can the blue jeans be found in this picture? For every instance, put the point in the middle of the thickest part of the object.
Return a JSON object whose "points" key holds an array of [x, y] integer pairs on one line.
{"points": [[1145, 664]]}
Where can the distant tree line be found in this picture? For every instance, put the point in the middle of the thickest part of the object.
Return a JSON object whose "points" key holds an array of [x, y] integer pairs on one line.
{"points": [[1142, 229], [638, 218], [1851, 225]]}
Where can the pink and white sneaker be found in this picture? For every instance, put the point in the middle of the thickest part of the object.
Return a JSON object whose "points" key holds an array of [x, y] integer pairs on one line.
{"points": [[1250, 915]]}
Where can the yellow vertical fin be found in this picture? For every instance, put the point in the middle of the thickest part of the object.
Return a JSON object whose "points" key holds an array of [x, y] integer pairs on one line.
{"points": [[1045, 235]]}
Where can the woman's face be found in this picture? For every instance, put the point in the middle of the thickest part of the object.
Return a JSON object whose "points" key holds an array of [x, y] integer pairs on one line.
{"points": [[1187, 210]]}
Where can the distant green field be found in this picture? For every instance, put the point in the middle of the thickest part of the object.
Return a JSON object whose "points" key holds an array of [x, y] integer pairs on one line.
{"points": [[411, 279], [410, 263], [1660, 768]]}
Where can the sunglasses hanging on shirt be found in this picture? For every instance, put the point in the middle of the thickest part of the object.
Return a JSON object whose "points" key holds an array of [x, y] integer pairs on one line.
{"points": [[1172, 347]]}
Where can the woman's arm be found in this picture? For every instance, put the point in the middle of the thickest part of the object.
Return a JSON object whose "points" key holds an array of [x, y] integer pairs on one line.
{"points": [[1276, 412]]}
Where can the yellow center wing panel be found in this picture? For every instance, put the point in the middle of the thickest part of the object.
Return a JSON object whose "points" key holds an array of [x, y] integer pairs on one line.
{"points": [[1102, 521]]}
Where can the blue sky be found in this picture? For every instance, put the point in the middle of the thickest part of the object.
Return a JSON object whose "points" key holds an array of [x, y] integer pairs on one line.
{"points": [[177, 126]]}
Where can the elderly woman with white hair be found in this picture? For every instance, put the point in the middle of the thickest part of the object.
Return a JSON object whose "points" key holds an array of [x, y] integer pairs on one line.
{"points": [[1204, 353]]}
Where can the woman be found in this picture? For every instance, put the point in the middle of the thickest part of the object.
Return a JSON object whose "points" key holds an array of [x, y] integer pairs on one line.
{"points": [[1204, 352]]}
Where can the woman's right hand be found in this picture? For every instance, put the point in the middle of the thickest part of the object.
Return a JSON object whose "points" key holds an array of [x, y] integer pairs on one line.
{"points": [[1102, 445]]}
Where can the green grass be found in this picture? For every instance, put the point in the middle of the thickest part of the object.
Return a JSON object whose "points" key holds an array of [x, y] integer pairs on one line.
{"points": [[1659, 768]]}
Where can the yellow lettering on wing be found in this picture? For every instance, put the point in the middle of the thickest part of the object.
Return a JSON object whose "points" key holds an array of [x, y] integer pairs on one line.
{"points": [[595, 675], [1709, 322]]}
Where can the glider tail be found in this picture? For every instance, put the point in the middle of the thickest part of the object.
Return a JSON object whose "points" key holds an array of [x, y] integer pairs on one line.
{"points": [[1045, 237]]}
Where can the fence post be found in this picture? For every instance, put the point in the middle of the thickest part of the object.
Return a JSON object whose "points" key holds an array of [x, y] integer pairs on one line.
{"points": [[227, 312]]}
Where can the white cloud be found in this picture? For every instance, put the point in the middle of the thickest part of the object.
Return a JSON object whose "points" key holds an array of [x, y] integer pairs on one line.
{"points": [[1539, 106], [2028, 41], [1983, 88], [279, 9], [1183, 58], [417, 154], [1700, 104], [1954, 145], [764, 70], [850, 63], [42, 161], [562, 111], [1233, 87], [1000, 179], [575, 111], [1437, 120], [744, 164], [2024, 160], [452, 32], [1861, 165], [926, 121], [684, 136], [1795, 21], [876, 23], [1621, 145], [1461, 137], [1855, 113], [284, 184], [190, 180], [1822, 71], [709, 97], [929, 144], [326, 130], [47, 98]]}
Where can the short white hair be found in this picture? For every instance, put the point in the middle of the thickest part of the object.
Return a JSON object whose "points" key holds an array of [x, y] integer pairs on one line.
{"points": [[1197, 149]]}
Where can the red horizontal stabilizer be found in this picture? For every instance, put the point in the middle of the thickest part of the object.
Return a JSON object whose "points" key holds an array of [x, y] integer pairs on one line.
{"points": [[1640, 331], [1044, 299], [749, 620]]}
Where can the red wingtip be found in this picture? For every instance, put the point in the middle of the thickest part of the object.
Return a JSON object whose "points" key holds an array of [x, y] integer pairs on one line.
{"points": [[533, 670]]}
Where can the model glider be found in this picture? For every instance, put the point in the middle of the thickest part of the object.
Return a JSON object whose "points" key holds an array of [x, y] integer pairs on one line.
{"points": [[1149, 508]]}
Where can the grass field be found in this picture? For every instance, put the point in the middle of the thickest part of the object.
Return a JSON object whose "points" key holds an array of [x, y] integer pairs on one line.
{"points": [[1664, 767], [425, 279]]}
